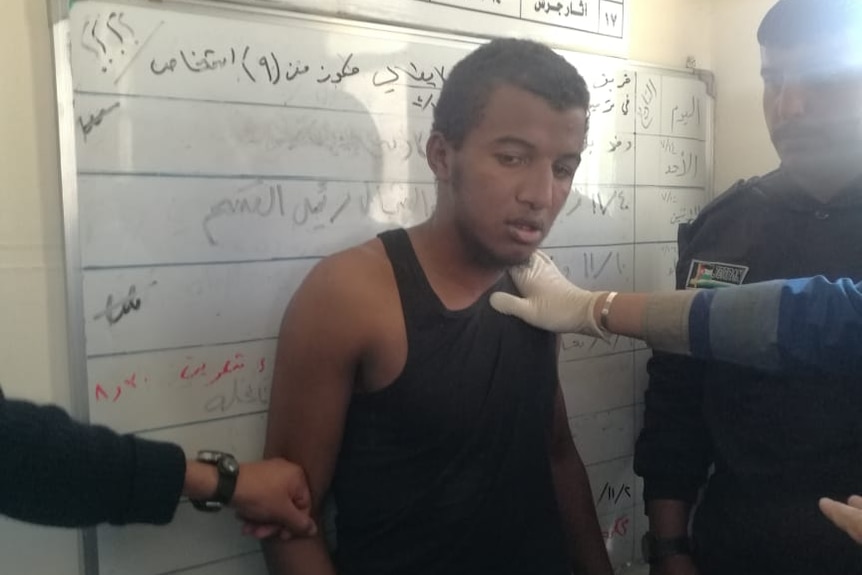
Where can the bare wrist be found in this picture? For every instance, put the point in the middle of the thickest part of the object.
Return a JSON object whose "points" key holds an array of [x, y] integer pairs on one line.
{"points": [[200, 481]]}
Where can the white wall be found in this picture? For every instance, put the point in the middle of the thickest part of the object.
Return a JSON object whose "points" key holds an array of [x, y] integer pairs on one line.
{"points": [[33, 355], [667, 32], [742, 146]]}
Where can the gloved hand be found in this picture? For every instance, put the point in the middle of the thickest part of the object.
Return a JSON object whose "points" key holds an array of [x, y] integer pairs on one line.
{"points": [[550, 301]]}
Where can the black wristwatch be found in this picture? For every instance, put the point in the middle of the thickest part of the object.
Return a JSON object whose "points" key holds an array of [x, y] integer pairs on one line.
{"points": [[656, 549], [228, 472]]}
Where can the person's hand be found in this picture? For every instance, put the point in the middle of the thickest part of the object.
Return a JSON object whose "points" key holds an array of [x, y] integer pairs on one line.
{"points": [[550, 301], [846, 517], [272, 497], [675, 565]]}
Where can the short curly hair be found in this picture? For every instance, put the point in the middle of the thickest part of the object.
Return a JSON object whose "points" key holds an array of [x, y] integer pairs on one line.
{"points": [[525, 64]]}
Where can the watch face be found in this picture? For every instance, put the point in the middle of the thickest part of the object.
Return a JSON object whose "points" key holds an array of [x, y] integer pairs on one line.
{"points": [[229, 464]]}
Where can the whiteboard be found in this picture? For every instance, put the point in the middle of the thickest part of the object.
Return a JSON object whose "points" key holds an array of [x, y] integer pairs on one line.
{"points": [[219, 152]]}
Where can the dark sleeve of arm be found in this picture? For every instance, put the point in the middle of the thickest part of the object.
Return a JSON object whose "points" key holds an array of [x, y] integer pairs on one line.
{"points": [[674, 450], [56, 471], [781, 325]]}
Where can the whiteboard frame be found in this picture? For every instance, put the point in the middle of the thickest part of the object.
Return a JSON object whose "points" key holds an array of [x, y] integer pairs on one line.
{"points": [[473, 23], [58, 16], [59, 12]]}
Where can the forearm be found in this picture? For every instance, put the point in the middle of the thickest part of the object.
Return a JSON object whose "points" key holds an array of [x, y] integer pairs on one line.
{"points": [[306, 556], [668, 518], [60, 472], [625, 314], [585, 544], [200, 480], [661, 319]]}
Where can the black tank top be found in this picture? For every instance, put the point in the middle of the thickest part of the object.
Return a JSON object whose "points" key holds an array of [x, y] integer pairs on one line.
{"points": [[446, 471]]}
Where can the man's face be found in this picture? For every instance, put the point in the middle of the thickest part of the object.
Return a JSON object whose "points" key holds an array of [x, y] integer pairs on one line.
{"points": [[813, 108], [513, 173]]}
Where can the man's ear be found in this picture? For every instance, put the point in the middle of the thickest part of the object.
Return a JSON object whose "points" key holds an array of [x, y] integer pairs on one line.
{"points": [[440, 156]]}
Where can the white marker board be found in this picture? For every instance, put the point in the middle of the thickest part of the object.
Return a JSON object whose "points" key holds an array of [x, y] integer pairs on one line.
{"points": [[221, 151]]}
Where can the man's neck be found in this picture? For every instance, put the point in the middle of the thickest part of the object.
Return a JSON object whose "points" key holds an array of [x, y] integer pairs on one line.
{"points": [[448, 264], [825, 187]]}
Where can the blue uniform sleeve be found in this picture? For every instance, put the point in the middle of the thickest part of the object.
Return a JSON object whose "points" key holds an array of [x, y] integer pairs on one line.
{"points": [[781, 325], [57, 471]]}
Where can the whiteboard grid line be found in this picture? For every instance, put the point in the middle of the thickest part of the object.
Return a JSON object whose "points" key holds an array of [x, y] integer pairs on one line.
{"points": [[608, 245], [589, 357], [635, 222], [287, 177], [606, 461], [601, 411], [213, 562], [337, 180], [243, 176], [102, 268], [198, 422], [114, 267], [281, 106], [179, 348]]}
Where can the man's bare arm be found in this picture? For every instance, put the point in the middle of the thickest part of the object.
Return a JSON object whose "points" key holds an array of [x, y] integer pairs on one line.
{"points": [[318, 353], [574, 497]]}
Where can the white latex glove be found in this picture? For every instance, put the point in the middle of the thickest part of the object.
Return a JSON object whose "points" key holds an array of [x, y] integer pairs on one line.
{"points": [[550, 301]]}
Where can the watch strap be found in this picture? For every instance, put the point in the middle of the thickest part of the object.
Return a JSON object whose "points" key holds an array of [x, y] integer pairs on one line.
{"points": [[228, 473], [657, 549], [606, 310]]}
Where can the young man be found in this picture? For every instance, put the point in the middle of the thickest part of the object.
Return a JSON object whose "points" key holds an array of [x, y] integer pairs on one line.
{"points": [[778, 442], [437, 423]]}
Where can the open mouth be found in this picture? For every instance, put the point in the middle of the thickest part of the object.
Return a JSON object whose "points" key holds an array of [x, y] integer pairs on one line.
{"points": [[526, 231]]}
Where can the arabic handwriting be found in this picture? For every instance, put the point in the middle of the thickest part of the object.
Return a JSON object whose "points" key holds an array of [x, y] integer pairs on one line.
{"points": [[605, 82], [346, 71], [680, 163], [129, 383], [272, 67], [269, 202], [392, 74], [245, 393], [114, 311], [95, 119], [645, 106], [685, 117]]}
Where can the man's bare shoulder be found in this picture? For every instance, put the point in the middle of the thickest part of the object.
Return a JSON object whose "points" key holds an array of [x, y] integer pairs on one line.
{"points": [[354, 272], [348, 286]]}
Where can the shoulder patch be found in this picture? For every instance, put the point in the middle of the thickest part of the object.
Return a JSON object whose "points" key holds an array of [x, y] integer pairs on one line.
{"points": [[703, 274]]}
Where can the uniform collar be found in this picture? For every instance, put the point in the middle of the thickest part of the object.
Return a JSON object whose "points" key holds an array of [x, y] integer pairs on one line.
{"points": [[780, 187]]}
